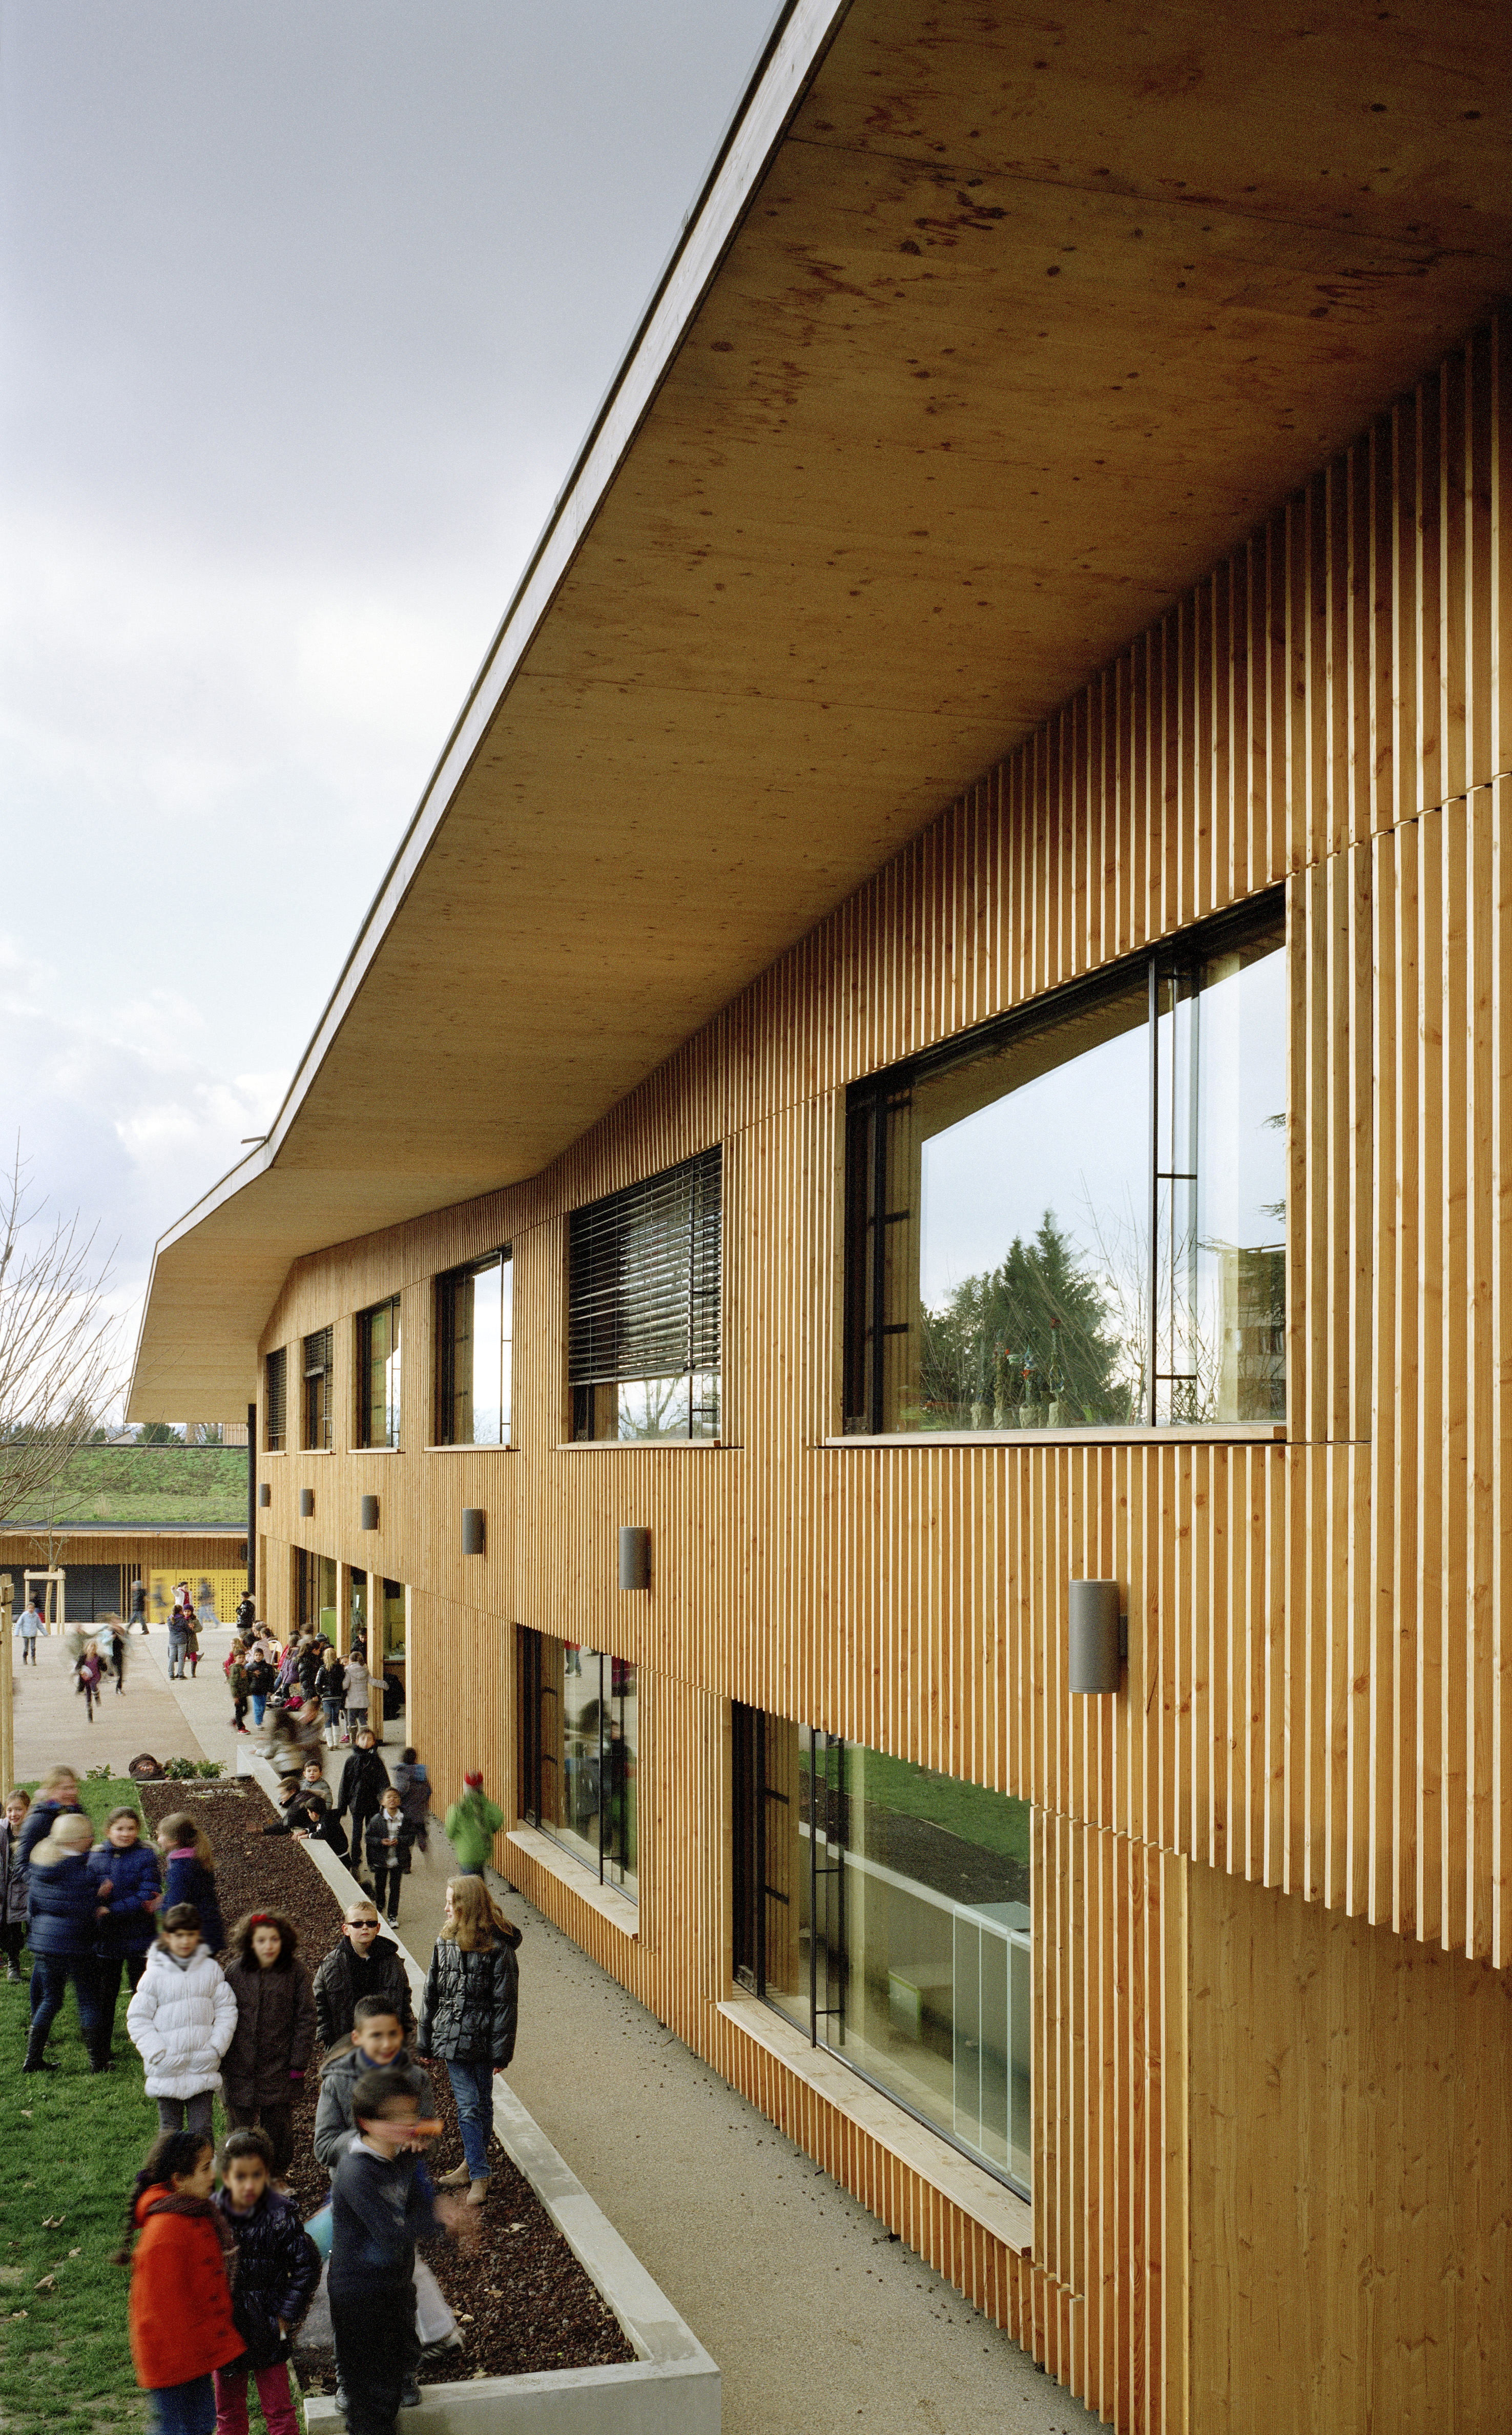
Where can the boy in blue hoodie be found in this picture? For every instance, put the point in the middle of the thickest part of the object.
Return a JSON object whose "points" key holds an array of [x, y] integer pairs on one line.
{"points": [[129, 1924], [382, 2201]]}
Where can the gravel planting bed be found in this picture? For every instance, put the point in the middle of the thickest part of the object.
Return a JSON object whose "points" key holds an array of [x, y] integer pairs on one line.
{"points": [[524, 2304]]}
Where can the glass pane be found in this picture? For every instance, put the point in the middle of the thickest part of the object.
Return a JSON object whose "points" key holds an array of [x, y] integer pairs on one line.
{"points": [[1220, 1278], [382, 1379], [326, 1594], [357, 1606], [580, 1794], [785, 1925], [653, 1408], [1017, 1225], [620, 1760], [922, 1887]]}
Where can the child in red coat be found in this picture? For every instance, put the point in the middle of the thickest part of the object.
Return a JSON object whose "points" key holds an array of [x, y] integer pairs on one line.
{"points": [[181, 2312]]}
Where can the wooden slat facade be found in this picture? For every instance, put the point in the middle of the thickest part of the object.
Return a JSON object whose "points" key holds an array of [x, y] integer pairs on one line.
{"points": [[1275, 1866]]}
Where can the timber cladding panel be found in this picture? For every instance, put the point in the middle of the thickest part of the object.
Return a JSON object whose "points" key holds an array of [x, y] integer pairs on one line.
{"points": [[1316, 1698]]}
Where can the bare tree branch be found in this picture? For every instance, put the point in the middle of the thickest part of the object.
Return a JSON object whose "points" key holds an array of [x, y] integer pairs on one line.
{"points": [[59, 1362]]}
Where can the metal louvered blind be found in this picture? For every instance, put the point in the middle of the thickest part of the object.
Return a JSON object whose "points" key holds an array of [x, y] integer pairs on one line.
{"points": [[318, 1352], [277, 1373], [643, 1297]]}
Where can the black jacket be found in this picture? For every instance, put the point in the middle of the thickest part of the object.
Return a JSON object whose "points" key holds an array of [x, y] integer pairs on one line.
{"points": [[375, 1845], [471, 2007], [341, 1978], [278, 2267], [363, 1779]]}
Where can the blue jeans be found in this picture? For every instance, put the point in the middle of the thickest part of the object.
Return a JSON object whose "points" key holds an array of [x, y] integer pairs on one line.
{"points": [[55, 1970], [184, 2408], [177, 1652], [259, 1704], [473, 2087]]}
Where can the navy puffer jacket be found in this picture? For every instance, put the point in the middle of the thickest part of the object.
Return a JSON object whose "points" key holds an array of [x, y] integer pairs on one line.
{"points": [[278, 2267], [61, 1900], [127, 1927], [38, 1820], [190, 1882]]}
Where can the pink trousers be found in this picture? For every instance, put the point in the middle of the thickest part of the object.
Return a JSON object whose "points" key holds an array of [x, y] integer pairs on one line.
{"points": [[272, 2391]]}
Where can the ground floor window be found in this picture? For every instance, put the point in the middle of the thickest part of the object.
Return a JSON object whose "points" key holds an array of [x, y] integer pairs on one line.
{"points": [[579, 1754], [885, 1910], [317, 1592]]}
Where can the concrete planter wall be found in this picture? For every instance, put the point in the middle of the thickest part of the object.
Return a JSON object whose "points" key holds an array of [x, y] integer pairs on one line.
{"points": [[672, 2387]]}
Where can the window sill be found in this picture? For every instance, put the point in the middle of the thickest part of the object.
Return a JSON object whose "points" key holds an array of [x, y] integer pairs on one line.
{"points": [[611, 1905], [987, 2201], [313, 1454], [469, 1449], [645, 1445], [1234, 1433], [363, 1452], [272, 1454]]}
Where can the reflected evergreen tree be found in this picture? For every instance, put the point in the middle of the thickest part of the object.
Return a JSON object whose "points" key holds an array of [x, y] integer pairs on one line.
{"points": [[1034, 1331]]}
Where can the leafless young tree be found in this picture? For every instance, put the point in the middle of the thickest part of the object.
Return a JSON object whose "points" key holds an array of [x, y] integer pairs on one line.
{"points": [[58, 1360]]}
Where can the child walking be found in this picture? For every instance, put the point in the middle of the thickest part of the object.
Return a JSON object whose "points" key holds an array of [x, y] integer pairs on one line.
{"points": [[363, 1779], [64, 1907], [357, 1691], [180, 2021], [278, 2267], [381, 2203], [267, 2060], [472, 1824], [415, 1795], [181, 2325], [12, 1883], [467, 2017], [192, 1875], [387, 1845], [124, 1871], [331, 1691]]}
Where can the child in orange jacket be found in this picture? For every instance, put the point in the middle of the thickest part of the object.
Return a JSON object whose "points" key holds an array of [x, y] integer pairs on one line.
{"points": [[181, 2312]]}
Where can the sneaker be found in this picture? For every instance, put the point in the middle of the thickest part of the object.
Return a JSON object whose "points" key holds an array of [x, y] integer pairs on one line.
{"points": [[458, 2179], [340, 2398], [452, 2341], [409, 2397], [393, 1919]]}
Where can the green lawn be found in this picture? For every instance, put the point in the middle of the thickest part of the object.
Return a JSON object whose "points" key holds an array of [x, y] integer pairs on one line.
{"points": [[71, 2143], [188, 1485], [101, 1794]]}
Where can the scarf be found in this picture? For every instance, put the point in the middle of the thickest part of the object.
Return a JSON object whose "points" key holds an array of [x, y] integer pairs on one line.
{"points": [[176, 2203]]}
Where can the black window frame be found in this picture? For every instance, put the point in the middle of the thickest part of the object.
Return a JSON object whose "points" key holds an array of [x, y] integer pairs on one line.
{"points": [[623, 1323], [318, 1390], [537, 1682], [445, 1398], [275, 1400], [362, 1335], [868, 1210]]}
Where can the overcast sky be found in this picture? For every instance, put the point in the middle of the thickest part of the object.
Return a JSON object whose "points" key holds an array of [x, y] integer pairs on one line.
{"points": [[304, 312]]}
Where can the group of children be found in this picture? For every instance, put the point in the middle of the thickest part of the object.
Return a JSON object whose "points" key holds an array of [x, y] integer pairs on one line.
{"points": [[221, 2279], [244, 2256]]}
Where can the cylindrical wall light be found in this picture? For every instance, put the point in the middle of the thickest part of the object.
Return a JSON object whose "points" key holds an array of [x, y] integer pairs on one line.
{"points": [[474, 1524], [1092, 1636], [369, 1514], [307, 1502], [635, 1558], [265, 1493]]}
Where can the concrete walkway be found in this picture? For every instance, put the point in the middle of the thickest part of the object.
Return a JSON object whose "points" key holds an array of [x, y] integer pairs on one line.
{"points": [[51, 1728], [818, 2321]]}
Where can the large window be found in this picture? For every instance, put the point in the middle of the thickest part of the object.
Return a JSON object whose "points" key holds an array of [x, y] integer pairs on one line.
{"points": [[317, 1592], [1077, 1217], [474, 1330], [580, 1755], [378, 1375], [885, 1910], [318, 1358], [643, 1308], [276, 1375]]}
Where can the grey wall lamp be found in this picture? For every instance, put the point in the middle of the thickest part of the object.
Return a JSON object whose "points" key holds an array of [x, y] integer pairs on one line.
{"points": [[1094, 1638], [635, 1558], [265, 1493], [369, 1514], [474, 1527], [306, 1501]]}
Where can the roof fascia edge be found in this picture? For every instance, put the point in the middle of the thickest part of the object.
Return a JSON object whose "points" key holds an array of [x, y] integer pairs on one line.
{"points": [[797, 44]]}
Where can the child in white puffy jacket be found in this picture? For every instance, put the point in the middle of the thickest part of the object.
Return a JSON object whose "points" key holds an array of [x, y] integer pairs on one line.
{"points": [[181, 2019]]}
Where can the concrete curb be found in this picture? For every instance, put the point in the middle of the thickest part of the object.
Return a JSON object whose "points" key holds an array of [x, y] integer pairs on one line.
{"points": [[674, 2386]]}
